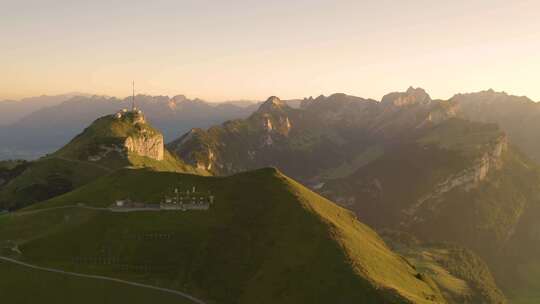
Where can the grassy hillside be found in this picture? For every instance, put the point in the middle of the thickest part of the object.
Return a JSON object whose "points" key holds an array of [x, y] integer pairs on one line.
{"points": [[10, 164], [10, 169], [106, 130], [72, 166], [455, 184], [266, 239], [170, 163], [47, 178], [461, 275], [52, 288]]}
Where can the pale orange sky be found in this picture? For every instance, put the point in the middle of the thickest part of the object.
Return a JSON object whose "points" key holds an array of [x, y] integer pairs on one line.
{"points": [[225, 50]]}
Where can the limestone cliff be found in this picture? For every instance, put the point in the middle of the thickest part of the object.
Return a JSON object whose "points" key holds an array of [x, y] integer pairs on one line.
{"points": [[469, 178], [116, 137], [412, 96], [149, 146]]}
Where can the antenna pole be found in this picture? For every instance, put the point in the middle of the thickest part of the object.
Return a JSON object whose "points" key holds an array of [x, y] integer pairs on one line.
{"points": [[133, 97]]}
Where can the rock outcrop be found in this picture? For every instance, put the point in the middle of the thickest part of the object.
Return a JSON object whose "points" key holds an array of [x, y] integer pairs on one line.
{"points": [[114, 138], [468, 178], [149, 146], [411, 97], [271, 104]]}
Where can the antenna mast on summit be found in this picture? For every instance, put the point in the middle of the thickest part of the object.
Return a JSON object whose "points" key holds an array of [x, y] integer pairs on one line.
{"points": [[133, 97]]}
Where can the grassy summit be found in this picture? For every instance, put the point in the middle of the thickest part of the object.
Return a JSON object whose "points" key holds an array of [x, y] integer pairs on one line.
{"points": [[108, 144], [110, 132], [266, 239]]}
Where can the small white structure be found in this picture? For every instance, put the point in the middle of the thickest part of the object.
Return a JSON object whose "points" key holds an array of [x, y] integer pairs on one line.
{"points": [[178, 201], [187, 200]]}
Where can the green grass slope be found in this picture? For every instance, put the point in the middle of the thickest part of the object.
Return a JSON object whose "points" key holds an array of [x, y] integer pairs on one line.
{"points": [[70, 167], [461, 275], [170, 163], [53, 288], [106, 130], [266, 239], [47, 178], [432, 189]]}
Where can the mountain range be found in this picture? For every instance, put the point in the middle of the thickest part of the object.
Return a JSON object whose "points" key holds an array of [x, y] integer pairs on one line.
{"points": [[518, 116], [450, 187], [13, 110], [406, 163], [266, 238], [109, 143], [31, 134]]}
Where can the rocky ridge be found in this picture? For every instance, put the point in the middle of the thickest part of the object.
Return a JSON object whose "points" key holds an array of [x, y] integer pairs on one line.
{"points": [[467, 179]]}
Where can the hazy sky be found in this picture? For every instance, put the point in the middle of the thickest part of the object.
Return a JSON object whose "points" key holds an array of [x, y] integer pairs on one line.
{"points": [[229, 49]]}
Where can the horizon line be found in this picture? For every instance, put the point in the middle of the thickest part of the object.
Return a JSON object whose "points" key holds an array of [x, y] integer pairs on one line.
{"points": [[255, 100]]}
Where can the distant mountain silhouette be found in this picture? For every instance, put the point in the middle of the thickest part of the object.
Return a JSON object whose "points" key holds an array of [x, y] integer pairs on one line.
{"points": [[13, 110], [49, 128], [518, 116]]}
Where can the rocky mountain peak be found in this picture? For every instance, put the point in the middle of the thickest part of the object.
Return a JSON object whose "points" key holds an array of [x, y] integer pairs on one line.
{"points": [[272, 103], [410, 97], [119, 134]]}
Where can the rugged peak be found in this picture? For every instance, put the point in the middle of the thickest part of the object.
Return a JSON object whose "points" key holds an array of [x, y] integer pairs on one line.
{"points": [[119, 134], [410, 97], [179, 98], [272, 103], [490, 97]]}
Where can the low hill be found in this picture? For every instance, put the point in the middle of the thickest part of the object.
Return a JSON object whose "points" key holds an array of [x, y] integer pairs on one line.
{"points": [[265, 239], [110, 143]]}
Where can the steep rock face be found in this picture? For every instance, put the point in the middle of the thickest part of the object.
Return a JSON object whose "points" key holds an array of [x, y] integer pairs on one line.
{"points": [[467, 179], [273, 115], [470, 177], [273, 103], [322, 134], [239, 144], [412, 96], [444, 112], [124, 139], [455, 155], [149, 146], [204, 158], [279, 124]]}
